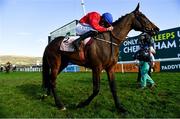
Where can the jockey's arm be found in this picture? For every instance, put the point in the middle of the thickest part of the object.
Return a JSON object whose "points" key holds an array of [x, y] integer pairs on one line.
{"points": [[94, 22]]}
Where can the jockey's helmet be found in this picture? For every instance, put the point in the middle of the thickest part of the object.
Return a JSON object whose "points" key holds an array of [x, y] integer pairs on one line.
{"points": [[108, 17]]}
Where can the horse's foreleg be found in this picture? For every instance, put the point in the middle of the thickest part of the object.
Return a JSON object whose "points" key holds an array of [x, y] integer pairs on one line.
{"points": [[96, 87], [112, 84], [58, 102]]}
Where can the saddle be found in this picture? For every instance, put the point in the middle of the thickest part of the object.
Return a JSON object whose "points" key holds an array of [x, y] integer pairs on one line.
{"points": [[67, 45]]}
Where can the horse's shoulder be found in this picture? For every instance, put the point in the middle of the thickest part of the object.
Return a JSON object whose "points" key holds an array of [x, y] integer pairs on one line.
{"points": [[103, 35]]}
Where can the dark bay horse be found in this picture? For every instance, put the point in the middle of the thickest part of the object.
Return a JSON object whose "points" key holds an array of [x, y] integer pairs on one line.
{"points": [[99, 55]]}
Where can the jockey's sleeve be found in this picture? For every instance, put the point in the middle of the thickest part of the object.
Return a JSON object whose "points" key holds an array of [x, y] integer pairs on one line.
{"points": [[94, 20]]}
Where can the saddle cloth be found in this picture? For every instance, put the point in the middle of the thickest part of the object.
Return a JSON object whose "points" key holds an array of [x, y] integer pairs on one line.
{"points": [[66, 44]]}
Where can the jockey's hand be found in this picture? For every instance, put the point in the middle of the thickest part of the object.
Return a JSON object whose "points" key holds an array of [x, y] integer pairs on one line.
{"points": [[110, 28]]}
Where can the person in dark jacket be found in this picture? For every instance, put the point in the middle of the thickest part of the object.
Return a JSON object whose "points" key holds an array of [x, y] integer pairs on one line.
{"points": [[145, 55]]}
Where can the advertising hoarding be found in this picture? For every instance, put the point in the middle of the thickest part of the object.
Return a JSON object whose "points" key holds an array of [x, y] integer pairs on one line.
{"points": [[167, 45]]}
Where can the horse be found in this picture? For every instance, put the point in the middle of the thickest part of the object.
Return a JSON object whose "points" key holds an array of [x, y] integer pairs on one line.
{"points": [[101, 54]]}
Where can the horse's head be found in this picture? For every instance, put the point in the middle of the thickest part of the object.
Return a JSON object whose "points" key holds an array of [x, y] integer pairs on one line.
{"points": [[142, 23]]}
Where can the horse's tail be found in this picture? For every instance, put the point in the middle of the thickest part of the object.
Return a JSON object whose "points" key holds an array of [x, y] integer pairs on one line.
{"points": [[45, 72]]}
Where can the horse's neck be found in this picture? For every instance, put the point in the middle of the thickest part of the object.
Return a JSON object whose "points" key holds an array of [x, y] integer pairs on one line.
{"points": [[123, 27]]}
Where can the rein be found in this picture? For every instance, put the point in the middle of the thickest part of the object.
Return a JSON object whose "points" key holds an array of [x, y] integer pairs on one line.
{"points": [[110, 42], [107, 41]]}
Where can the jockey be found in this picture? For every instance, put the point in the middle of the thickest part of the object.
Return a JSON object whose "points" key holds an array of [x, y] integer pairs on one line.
{"points": [[92, 23]]}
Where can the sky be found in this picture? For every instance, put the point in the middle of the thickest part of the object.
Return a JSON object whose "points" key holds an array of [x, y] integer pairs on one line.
{"points": [[26, 24]]}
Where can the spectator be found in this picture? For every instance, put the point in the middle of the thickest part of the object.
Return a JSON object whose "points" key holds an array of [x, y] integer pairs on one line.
{"points": [[146, 58]]}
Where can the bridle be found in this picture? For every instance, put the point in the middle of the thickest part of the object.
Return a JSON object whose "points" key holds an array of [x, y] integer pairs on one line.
{"points": [[139, 19]]}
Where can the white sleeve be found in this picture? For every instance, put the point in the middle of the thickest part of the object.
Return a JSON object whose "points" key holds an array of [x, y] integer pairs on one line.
{"points": [[152, 50], [152, 57]]}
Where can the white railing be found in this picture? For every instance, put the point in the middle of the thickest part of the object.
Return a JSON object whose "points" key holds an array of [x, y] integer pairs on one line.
{"points": [[29, 69], [168, 59], [156, 60]]}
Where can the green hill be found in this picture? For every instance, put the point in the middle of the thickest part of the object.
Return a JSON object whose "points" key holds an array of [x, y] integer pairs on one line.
{"points": [[20, 60]]}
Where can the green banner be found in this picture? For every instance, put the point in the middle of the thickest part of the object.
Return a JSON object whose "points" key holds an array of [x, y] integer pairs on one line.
{"points": [[167, 45], [128, 48]]}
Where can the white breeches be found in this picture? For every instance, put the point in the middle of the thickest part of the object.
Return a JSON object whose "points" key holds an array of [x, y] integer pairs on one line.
{"points": [[83, 28]]}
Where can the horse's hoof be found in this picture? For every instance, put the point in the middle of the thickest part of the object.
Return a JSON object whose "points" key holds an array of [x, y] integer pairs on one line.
{"points": [[83, 104], [123, 111], [43, 96], [63, 109], [78, 106]]}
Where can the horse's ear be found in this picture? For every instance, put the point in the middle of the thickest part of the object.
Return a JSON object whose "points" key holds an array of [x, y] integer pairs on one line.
{"points": [[137, 8]]}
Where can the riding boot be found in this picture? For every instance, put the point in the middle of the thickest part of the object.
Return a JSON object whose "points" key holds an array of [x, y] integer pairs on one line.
{"points": [[77, 42]]}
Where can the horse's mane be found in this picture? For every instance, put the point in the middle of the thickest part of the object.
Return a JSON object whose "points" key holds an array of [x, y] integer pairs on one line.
{"points": [[119, 20]]}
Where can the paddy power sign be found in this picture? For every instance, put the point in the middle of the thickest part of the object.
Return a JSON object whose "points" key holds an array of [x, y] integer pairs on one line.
{"points": [[167, 45]]}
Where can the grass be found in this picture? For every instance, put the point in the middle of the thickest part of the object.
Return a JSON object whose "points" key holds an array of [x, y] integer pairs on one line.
{"points": [[19, 96]]}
